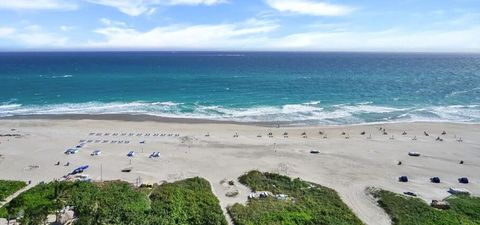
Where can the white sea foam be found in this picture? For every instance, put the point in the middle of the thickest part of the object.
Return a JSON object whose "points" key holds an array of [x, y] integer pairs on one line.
{"points": [[63, 76], [310, 112], [455, 93]]}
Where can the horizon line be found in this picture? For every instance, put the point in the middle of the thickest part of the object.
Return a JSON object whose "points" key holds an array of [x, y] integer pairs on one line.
{"points": [[229, 51]]}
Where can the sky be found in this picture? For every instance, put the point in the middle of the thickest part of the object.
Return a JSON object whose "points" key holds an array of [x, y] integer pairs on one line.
{"points": [[241, 25]]}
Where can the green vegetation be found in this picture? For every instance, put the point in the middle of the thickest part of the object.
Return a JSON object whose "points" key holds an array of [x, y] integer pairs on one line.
{"points": [[308, 203], [35, 204], [464, 210], [109, 203], [8, 188], [190, 201]]}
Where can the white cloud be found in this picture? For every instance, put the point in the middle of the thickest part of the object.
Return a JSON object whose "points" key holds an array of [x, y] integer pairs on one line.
{"points": [[33, 36], [310, 7], [112, 23], [259, 35], [6, 31], [215, 36], [66, 28], [254, 34], [37, 4], [139, 7], [41, 40], [463, 40]]}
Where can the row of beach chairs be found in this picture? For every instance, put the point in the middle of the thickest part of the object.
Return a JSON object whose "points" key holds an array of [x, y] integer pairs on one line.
{"points": [[135, 134], [104, 141], [462, 180], [346, 135]]}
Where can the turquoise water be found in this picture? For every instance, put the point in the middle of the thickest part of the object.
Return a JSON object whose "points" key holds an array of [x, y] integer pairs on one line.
{"points": [[312, 88]]}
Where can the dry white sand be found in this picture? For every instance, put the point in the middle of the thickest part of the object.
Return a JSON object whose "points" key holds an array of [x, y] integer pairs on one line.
{"points": [[346, 165]]}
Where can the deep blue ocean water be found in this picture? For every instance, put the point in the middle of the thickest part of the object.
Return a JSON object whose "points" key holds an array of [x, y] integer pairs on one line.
{"points": [[313, 88]]}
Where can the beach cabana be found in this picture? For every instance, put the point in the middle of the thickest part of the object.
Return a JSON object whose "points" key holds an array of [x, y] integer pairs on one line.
{"points": [[463, 180], [403, 179], [435, 180]]}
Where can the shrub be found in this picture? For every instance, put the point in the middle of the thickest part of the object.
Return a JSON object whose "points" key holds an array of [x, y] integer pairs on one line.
{"points": [[308, 204]]}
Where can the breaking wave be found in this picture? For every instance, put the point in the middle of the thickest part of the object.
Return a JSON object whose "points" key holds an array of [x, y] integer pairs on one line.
{"points": [[305, 113]]}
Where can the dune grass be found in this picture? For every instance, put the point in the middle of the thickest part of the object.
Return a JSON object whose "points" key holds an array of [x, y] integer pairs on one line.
{"points": [[8, 187], [404, 210], [189, 201], [308, 203]]}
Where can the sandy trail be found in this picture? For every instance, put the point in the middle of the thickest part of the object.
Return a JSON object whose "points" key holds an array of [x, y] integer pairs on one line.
{"points": [[346, 165]]}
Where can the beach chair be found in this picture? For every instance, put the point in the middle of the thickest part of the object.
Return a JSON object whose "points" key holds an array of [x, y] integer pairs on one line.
{"points": [[127, 170], [414, 154], [96, 153], [409, 193]]}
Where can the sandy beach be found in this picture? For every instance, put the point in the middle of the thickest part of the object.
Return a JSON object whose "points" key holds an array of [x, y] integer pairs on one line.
{"points": [[348, 163]]}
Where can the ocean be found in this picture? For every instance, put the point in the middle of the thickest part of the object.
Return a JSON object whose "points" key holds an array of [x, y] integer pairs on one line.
{"points": [[297, 88]]}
